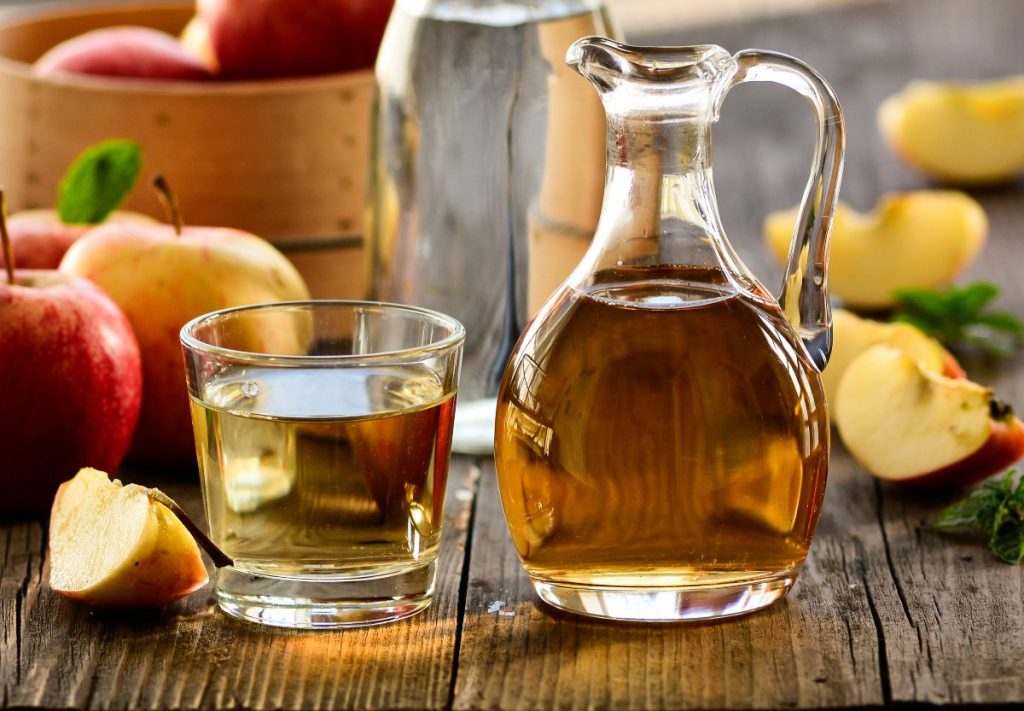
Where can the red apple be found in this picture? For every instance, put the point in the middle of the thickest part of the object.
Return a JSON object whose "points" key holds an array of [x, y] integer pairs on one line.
{"points": [[907, 424], [40, 239], [278, 38], [70, 385], [162, 277], [138, 52]]}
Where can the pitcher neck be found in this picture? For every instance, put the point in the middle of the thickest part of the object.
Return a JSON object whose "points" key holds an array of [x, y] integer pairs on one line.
{"points": [[659, 202], [677, 145]]}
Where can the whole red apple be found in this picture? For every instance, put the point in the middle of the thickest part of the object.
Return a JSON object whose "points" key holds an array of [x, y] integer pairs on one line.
{"points": [[253, 39], [163, 276], [136, 52], [40, 239], [70, 385]]}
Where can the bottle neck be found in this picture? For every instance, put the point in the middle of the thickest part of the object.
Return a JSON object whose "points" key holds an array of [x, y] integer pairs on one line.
{"points": [[659, 203]]}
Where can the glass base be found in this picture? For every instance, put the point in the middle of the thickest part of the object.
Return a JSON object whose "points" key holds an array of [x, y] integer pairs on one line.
{"points": [[661, 604], [325, 603]]}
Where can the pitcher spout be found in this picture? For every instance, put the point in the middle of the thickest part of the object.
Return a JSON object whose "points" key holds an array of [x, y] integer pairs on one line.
{"points": [[658, 71]]}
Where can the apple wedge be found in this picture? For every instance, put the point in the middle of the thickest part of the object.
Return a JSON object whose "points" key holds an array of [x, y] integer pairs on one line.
{"points": [[908, 425], [919, 239], [959, 133], [119, 546], [852, 335]]}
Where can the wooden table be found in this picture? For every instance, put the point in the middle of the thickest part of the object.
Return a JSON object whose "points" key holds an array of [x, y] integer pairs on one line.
{"points": [[885, 611]]}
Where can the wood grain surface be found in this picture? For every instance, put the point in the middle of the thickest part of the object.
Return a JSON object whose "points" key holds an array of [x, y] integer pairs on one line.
{"points": [[885, 612], [57, 654]]}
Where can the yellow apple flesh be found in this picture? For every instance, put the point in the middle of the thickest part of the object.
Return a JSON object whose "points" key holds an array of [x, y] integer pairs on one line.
{"points": [[852, 335], [920, 239], [958, 133], [162, 280], [113, 546], [906, 424], [195, 39]]}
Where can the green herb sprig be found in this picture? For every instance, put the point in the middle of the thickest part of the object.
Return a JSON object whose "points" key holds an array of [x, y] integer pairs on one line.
{"points": [[958, 317], [996, 508]]}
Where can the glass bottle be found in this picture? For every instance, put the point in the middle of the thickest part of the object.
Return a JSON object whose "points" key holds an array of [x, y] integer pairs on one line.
{"points": [[662, 437], [487, 169]]}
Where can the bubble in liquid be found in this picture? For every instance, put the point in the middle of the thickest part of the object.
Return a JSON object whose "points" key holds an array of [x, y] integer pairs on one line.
{"points": [[251, 389]]}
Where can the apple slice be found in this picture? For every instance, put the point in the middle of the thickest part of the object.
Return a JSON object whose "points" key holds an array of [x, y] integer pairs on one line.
{"points": [[958, 133], [906, 424], [121, 546], [918, 239], [852, 335]]}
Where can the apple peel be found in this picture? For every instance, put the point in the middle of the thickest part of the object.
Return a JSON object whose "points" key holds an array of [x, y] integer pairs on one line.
{"points": [[114, 545], [906, 424]]}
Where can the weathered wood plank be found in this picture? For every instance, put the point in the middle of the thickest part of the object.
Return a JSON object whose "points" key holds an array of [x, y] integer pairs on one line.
{"points": [[817, 649], [21, 571], [57, 654]]}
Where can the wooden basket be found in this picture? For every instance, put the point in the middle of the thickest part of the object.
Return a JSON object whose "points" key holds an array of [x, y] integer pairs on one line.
{"points": [[285, 159]]}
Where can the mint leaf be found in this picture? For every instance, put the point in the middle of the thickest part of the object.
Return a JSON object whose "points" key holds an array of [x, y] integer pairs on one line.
{"points": [[974, 297], [927, 303], [1008, 542], [1001, 321], [981, 504], [957, 317], [996, 508], [964, 514], [98, 181]]}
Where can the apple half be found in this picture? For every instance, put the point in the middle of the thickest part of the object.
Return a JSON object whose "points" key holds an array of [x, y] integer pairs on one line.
{"points": [[917, 239], [852, 335], [958, 133], [118, 546], [908, 425]]}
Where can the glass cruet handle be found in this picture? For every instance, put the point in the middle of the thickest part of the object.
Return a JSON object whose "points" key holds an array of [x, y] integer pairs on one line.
{"points": [[804, 298]]}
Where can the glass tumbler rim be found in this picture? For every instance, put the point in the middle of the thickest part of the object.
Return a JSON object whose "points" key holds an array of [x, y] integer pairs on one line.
{"points": [[455, 337]]}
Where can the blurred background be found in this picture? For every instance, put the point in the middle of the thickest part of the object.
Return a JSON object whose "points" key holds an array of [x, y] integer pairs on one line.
{"points": [[638, 16]]}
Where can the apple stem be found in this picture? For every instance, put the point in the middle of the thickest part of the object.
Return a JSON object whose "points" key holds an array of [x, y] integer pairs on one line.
{"points": [[5, 237], [219, 557], [170, 202]]}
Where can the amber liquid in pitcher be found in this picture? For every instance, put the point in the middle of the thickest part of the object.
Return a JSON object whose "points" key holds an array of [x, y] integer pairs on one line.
{"points": [[664, 429]]}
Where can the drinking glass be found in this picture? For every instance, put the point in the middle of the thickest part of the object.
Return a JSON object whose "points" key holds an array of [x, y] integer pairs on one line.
{"points": [[323, 433]]}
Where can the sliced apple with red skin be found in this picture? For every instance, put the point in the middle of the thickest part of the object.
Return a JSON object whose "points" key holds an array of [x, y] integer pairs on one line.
{"points": [[908, 425], [119, 546], [852, 335]]}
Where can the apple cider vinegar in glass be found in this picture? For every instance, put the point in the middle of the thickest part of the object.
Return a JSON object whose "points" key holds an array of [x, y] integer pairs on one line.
{"points": [[297, 489], [323, 433]]}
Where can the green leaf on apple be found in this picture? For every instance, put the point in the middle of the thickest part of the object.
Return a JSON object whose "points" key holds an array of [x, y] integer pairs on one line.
{"points": [[996, 508], [98, 181]]}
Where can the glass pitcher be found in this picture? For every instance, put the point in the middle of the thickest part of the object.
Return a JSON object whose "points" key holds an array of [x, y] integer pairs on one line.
{"points": [[486, 178], [662, 438]]}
